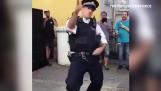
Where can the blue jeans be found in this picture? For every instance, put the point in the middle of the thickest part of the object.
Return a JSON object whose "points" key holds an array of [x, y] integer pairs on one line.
{"points": [[124, 54]]}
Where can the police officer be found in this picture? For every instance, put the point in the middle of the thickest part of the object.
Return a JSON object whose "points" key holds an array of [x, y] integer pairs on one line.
{"points": [[87, 42]]}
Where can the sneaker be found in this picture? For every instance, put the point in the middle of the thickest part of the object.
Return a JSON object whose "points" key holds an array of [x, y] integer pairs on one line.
{"points": [[120, 67], [106, 67], [49, 63], [127, 67]]}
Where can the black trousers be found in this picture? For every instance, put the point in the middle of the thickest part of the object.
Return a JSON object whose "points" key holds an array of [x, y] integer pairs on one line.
{"points": [[77, 70]]}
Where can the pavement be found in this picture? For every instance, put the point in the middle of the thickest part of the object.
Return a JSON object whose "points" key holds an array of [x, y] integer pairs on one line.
{"points": [[53, 79]]}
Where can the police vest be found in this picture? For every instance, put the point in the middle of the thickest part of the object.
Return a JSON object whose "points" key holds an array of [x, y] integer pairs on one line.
{"points": [[85, 38]]}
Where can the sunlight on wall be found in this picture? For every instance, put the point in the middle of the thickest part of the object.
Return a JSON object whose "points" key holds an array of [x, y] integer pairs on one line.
{"points": [[60, 9]]}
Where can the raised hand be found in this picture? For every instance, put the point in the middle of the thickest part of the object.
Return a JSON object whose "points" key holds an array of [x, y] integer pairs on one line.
{"points": [[78, 6]]}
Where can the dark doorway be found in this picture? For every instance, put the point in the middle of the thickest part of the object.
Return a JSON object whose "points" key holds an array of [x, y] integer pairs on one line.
{"points": [[38, 40]]}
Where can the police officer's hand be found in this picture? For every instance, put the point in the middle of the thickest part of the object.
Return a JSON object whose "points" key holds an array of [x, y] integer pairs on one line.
{"points": [[98, 51], [78, 6]]}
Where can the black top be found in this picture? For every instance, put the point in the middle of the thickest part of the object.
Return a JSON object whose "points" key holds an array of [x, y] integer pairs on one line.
{"points": [[49, 28]]}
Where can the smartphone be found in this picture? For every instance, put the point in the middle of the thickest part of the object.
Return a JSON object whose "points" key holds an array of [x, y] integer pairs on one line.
{"points": [[104, 20]]}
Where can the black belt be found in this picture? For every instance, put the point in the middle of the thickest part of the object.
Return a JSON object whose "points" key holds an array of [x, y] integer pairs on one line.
{"points": [[83, 55]]}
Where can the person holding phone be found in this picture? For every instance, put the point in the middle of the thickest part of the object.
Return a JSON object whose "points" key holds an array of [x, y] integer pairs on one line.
{"points": [[106, 27]]}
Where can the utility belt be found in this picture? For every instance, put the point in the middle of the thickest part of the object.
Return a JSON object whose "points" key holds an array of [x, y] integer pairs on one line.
{"points": [[83, 55]]}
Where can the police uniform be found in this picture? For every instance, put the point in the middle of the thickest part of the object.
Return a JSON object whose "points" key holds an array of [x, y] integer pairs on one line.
{"points": [[83, 40]]}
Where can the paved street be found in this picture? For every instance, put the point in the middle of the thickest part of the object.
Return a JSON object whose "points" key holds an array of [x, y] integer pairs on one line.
{"points": [[53, 79]]}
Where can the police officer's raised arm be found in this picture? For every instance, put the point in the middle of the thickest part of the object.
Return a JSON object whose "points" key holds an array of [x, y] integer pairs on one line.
{"points": [[73, 20]]}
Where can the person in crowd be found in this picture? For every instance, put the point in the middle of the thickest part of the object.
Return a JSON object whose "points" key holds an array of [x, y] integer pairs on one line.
{"points": [[106, 26], [122, 29]]}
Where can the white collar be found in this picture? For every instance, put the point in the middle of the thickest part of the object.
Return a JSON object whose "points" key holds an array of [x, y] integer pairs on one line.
{"points": [[86, 20]]}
